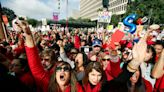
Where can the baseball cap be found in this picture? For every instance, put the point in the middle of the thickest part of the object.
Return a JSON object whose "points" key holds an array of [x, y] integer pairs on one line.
{"points": [[96, 42]]}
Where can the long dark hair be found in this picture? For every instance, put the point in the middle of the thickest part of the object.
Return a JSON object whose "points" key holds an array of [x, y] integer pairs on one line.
{"points": [[85, 59], [93, 65], [152, 60], [53, 85], [139, 86]]}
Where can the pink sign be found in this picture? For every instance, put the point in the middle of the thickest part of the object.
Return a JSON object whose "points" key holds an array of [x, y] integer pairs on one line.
{"points": [[55, 16]]}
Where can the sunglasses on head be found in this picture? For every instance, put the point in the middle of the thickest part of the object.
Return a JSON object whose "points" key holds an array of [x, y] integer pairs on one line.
{"points": [[105, 59], [65, 68]]}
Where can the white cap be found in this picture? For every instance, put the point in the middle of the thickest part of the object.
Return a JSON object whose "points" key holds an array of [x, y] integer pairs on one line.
{"points": [[155, 26]]}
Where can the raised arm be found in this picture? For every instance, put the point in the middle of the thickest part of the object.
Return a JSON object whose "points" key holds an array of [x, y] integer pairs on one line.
{"points": [[138, 52], [32, 54], [158, 69], [64, 56]]}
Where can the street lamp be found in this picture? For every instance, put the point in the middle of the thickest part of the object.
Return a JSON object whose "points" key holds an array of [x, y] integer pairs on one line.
{"points": [[105, 3]]}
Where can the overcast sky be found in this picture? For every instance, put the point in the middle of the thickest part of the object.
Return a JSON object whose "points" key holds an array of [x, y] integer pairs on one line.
{"points": [[39, 9]]}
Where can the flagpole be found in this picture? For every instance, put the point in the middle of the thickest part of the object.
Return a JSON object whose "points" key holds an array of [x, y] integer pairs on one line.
{"points": [[4, 31], [67, 15]]}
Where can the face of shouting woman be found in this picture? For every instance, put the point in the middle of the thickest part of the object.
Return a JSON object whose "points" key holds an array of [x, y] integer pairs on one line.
{"points": [[62, 75]]}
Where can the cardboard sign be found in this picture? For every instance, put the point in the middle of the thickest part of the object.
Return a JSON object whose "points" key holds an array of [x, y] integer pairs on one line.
{"points": [[110, 28], [139, 29], [104, 16], [116, 37]]}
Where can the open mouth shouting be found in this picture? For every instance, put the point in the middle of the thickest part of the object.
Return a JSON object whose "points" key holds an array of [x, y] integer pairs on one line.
{"points": [[62, 75]]}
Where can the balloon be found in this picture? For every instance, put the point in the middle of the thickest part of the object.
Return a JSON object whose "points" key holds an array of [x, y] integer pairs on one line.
{"points": [[142, 20], [128, 22], [139, 21], [136, 40]]}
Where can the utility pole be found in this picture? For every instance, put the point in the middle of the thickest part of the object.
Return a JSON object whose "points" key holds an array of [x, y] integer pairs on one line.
{"points": [[105, 4], [66, 15], [150, 14], [2, 36]]}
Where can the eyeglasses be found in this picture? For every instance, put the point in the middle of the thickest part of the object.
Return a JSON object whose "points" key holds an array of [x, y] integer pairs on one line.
{"points": [[15, 65], [105, 59], [45, 59], [65, 68]]}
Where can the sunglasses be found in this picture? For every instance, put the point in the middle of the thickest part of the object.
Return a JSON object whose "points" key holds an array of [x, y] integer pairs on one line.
{"points": [[105, 59], [65, 68], [73, 52]]}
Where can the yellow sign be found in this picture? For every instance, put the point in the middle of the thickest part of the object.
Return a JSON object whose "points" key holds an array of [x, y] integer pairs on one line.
{"points": [[110, 27], [139, 29]]}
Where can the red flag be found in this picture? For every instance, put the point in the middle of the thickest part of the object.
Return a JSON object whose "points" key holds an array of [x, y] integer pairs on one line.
{"points": [[5, 19]]}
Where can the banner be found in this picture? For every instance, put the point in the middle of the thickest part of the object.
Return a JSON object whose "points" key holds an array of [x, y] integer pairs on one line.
{"points": [[55, 16], [104, 16], [44, 22]]}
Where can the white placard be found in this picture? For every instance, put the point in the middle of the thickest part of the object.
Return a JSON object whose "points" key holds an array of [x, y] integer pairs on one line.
{"points": [[104, 16]]}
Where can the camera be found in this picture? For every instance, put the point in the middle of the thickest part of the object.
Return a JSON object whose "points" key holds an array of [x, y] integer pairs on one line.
{"points": [[86, 49]]}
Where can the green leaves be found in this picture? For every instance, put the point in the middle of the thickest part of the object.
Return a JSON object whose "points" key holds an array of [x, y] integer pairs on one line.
{"points": [[144, 7], [10, 14]]}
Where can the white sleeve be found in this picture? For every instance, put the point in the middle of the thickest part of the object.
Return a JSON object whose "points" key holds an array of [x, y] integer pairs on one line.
{"points": [[66, 59]]}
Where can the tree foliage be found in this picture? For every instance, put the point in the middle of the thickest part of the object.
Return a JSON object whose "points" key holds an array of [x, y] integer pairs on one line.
{"points": [[74, 22], [9, 13], [151, 8], [33, 22]]}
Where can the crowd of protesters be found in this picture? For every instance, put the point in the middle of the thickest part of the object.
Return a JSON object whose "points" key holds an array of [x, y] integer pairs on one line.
{"points": [[80, 61]]}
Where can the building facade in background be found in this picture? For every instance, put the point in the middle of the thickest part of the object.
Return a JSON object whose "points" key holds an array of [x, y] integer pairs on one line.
{"points": [[89, 8], [75, 14]]}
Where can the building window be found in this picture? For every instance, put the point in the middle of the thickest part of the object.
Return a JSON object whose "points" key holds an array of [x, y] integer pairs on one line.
{"points": [[125, 7]]}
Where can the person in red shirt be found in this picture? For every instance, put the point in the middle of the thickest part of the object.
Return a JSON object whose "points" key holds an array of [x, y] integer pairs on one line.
{"points": [[94, 76], [19, 69], [115, 63], [107, 66], [61, 80], [76, 39], [48, 59]]}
